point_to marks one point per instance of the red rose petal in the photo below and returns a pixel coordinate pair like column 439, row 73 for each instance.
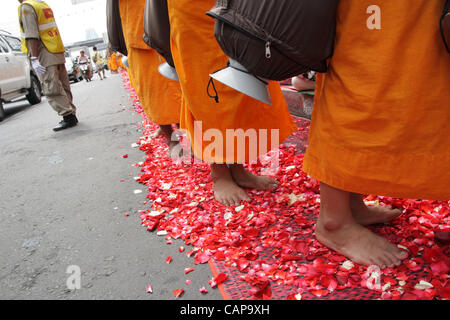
column 221, row 277
column 178, row 292
column 188, row 270
column 201, row 257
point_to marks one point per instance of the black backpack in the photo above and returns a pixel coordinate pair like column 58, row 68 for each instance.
column 276, row 39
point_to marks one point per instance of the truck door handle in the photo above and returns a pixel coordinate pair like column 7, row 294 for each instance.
column 7, row 59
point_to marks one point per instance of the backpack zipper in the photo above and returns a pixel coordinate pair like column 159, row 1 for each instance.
column 268, row 44
column 268, row 53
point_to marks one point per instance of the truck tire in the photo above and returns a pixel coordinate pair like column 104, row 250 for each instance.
column 2, row 111
column 34, row 95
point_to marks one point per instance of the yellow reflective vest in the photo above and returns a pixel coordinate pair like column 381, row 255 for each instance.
column 48, row 30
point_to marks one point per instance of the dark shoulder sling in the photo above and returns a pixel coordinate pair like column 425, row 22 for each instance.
column 157, row 28
column 114, row 26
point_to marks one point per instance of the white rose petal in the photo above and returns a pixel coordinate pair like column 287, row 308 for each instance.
column 162, row 233
column 137, row 191
column 237, row 209
column 347, row 265
column 227, row 215
column 293, row 198
column 423, row 285
column 166, row 186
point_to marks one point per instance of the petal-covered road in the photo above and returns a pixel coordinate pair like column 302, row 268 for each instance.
column 265, row 249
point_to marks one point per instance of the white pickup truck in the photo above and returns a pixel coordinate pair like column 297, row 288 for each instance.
column 17, row 78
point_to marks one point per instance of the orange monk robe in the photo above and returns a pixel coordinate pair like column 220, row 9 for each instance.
column 113, row 62
column 119, row 61
column 159, row 96
column 381, row 119
column 196, row 53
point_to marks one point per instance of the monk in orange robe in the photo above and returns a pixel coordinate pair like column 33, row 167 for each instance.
column 380, row 123
column 113, row 65
column 211, row 125
column 160, row 97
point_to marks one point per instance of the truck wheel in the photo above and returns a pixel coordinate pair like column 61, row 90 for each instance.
column 2, row 111
column 34, row 95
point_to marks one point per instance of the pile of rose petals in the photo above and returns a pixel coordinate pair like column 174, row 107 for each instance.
column 282, row 221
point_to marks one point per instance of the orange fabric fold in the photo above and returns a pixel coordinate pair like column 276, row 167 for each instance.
column 160, row 97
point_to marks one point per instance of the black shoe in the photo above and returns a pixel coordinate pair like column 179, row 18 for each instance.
column 67, row 122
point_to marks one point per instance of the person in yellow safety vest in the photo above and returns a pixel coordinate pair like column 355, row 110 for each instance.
column 42, row 42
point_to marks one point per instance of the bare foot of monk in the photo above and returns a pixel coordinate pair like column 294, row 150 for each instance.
column 367, row 215
column 175, row 150
column 156, row 134
column 359, row 244
column 226, row 191
column 172, row 140
column 338, row 230
column 246, row 179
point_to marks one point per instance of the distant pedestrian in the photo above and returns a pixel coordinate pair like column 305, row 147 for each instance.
column 97, row 58
column 42, row 41
column 84, row 62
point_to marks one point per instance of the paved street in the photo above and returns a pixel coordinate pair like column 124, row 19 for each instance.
column 62, row 203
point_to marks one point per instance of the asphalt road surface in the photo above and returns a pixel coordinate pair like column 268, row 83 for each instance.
column 62, row 206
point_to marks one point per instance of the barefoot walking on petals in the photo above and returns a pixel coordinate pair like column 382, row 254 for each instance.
column 380, row 122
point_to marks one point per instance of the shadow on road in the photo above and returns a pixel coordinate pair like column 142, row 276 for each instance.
column 15, row 107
